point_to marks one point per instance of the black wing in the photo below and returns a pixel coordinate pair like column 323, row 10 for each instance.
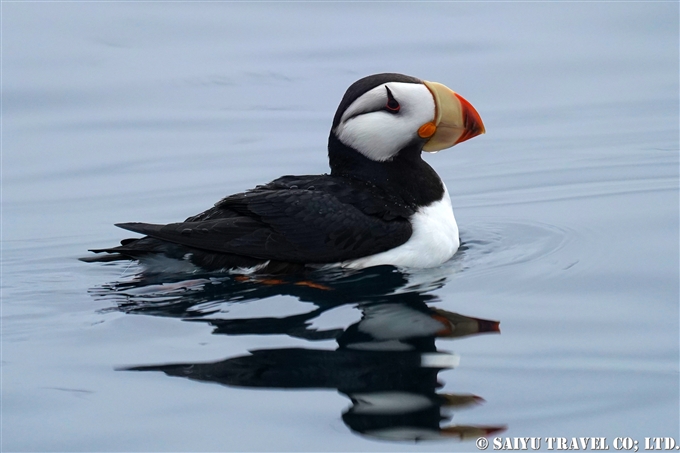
column 305, row 219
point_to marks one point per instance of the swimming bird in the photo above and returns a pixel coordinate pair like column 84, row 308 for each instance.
column 380, row 204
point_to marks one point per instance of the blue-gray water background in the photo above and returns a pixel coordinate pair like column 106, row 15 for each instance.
column 152, row 111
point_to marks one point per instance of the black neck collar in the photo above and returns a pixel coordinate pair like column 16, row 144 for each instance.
column 407, row 177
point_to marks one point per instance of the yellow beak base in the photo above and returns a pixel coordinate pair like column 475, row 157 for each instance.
column 456, row 120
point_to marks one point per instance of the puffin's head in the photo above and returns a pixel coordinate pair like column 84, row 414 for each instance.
column 384, row 113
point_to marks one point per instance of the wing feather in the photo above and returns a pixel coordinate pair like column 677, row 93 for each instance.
column 294, row 219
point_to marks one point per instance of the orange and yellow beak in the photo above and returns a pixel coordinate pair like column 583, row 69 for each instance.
column 456, row 120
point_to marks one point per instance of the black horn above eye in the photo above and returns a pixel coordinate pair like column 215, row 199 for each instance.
column 392, row 105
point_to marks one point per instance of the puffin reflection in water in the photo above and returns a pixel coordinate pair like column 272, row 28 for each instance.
column 386, row 363
column 381, row 204
column 386, row 333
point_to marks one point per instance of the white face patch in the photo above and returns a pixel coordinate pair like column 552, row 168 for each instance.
column 397, row 321
column 378, row 134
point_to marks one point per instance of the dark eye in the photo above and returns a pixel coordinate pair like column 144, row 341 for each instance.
column 392, row 105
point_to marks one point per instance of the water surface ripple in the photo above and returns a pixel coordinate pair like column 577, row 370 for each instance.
column 144, row 111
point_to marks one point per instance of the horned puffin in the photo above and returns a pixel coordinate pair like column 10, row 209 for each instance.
column 381, row 204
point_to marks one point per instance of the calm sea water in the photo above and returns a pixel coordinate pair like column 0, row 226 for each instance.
column 152, row 111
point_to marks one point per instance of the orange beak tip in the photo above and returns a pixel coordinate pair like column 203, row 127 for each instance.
column 472, row 121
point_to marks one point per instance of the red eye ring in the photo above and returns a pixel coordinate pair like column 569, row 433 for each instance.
column 392, row 104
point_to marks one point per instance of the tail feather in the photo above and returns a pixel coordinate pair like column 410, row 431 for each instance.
column 139, row 227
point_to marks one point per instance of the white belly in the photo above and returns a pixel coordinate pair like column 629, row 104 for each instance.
column 434, row 240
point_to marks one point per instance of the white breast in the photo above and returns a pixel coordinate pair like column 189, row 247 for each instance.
column 434, row 240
